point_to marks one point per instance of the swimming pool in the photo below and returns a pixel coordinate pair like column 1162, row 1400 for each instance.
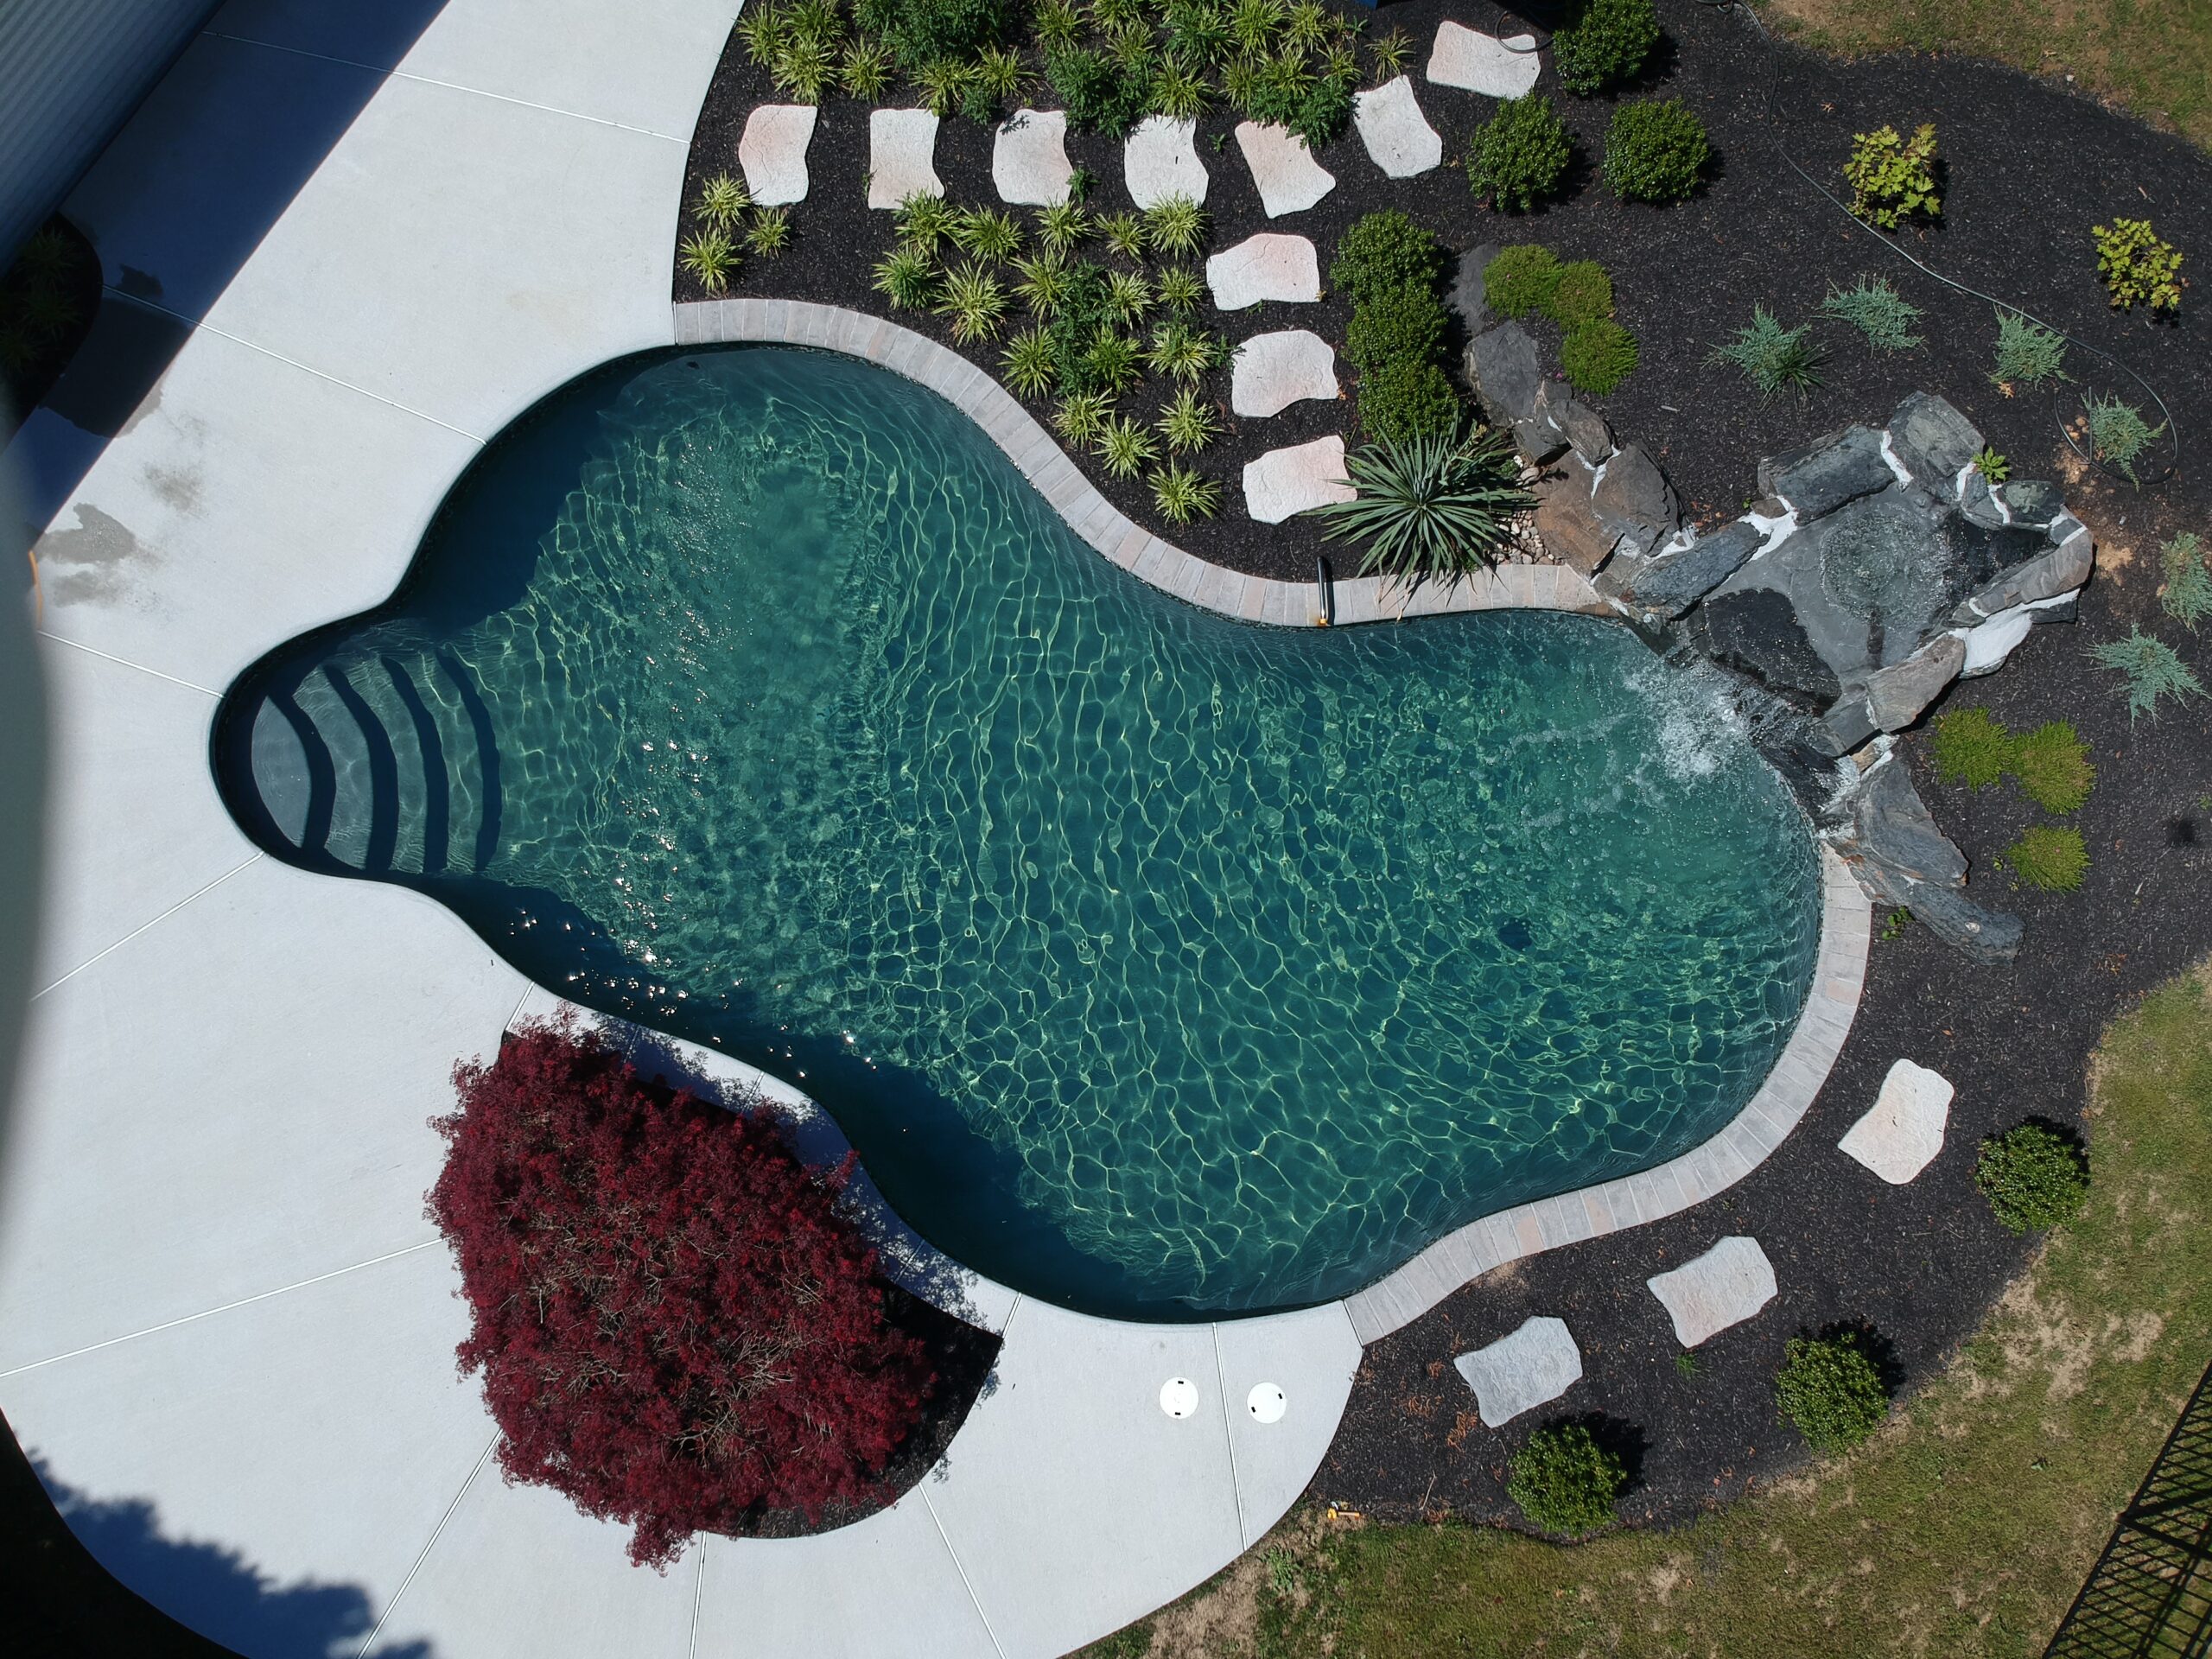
column 1156, row 964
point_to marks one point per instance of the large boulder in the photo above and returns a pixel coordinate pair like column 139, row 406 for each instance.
column 1900, row 857
column 1896, row 694
column 1837, row 470
column 1502, row 368
column 1934, row 442
column 1757, row 634
column 1634, row 500
column 1465, row 299
column 1565, row 522
column 1672, row 582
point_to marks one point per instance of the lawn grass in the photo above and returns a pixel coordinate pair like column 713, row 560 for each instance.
column 2153, row 56
column 1965, row 1527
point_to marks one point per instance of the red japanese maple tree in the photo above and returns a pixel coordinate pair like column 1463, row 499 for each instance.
column 674, row 1326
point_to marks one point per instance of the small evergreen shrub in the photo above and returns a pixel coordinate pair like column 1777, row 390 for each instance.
column 1382, row 253
column 925, row 31
column 1518, row 158
column 1583, row 293
column 1405, row 322
column 2187, row 596
column 2027, row 352
column 1408, row 398
column 1598, row 356
column 1521, row 281
column 1392, row 267
column 1892, row 178
column 1656, row 150
column 2151, row 670
column 1605, row 45
column 2034, row 1178
column 1831, row 1392
column 1565, row 1482
column 1100, row 94
column 1772, row 358
column 1875, row 310
column 2052, row 766
column 2050, row 858
column 2137, row 267
column 2118, row 432
column 1972, row 748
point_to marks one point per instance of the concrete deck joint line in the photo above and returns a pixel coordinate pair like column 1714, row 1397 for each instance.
column 699, row 1590
column 154, row 922
column 125, row 662
column 1228, row 1436
column 429, row 1544
column 960, row 1567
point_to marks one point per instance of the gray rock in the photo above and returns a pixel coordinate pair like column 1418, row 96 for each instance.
column 1845, row 727
column 1820, row 480
column 1542, row 435
column 1587, row 431
column 1672, row 582
column 2061, row 570
column 1892, row 830
column 1933, row 440
column 1565, row 522
column 1465, row 298
column 1981, row 504
column 1896, row 694
column 1502, row 368
column 1757, row 633
column 2034, row 502
column 1980, row 934
column 1634, row 498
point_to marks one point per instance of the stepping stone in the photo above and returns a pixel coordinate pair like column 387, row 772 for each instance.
column 773, row 152
column 1272, row 372
column 1268, row 266
column 1285, row 481
column 1029, row 159
column 1726, row 1285
column 1290, row 179
column 901, row 156
column 1161, row 160
column 1482, row 63
column 1535, row 1364
column 1397, row 135
column 1902, row 1133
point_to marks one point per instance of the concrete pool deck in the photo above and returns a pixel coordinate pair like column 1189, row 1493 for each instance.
column 219, row 1295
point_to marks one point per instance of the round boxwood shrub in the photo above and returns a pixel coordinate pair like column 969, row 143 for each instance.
column 1519, row 154
column 1656, row 150
column 1521, row 280
column 1606, row 45
column 1831, row 1391
column 1406, row 398
column 1384, row 253
column 1565, row 1482
column 1596, row 356
column 675, row 1329
column 1402, row 322
column 2033, row 1177
column 1583, row 294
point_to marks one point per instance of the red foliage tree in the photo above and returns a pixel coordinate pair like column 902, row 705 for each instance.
column 674, row 1326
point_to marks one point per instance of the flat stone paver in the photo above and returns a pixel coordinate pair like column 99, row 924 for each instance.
column 773, row 152
column 1726, row 1285
column 1272, row 371
column 1285, row 481
column 1271, row 265
column 901, row 156
column 1476, row 63
column 1397, row 135
column 1029, row 158
column 1290, row 179
column 1532, row 1367
column 1903, row 1131
column 1160, row 159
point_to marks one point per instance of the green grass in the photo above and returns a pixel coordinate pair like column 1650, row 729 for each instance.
column 1963, row 1529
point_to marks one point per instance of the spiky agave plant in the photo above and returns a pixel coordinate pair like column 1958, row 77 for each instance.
column 1430, row 507
column 1182, row 493
column 973, row 300
column 1189, row 423
column 709, row 256
column 1125, row 449
column 1029, row 366
column 1175, row 224
column 907, row 277
column 720, row 201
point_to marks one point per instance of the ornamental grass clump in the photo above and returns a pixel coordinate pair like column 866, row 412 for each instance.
column 1519, row 157
column 1772, row 358
column 1831, row 1391
column 1892, row 178
column 2137, row 267
column 2027, row 352
column 1605, row 45
column 1565, row 1482
column 720, row 201
column 2034, row 1178
column 1885, row 317
column 710, row 257
column 2150, row 670
column 2051, row 766
column 1182, row 495
column 1655, row 151
column 675, row 1328
column 2050, row 858
column 2118, row 432
column 1433, row 506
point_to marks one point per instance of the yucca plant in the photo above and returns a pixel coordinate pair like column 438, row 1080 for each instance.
column 1179, row 91
column 1128, row 296
column 1029, row 366
column 1175, row 224
column 1044, row 284
column 973, row 300
column 1188, row 424
column 1124, row 448
column 986, row 234
column 1058, row 25
column 907, row 277
column 1080, row 417
column 764, row 25
column 1182, row 495
column 1390, row 53
column 721, row 199
column 942, row 81
column 1113, row 361
column 1062, row 225
column 1772, row 358
column 802, row 68
column 711, row 256
column 770, row 232
column 1434, row 507
column 1178, row 290
column 866, row 72
column 1124, row 233
column 923, row 220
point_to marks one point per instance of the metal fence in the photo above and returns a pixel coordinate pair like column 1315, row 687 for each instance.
column 2150, row 1595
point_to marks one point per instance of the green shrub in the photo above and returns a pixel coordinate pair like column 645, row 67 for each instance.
column 1772, row 358
column 2118, row 432
column 1517, row 157
column 2137, row 267
column 2187, row 596
column 1405, row 322
column 2151, row 670
column 919, row 31
column 1565, row 1482
column 1384, row 251
column 2027, row 352
column 1831, row 1392
column 1183, row 495
column 1283, row 91
column 2050, row 858
column 1100, row 95
column 1892, row 178
column 710, row 256
column 1598, row 356
column 1583, row 293
column 1655, row 151
column 1605, row 45
column 1875, row 310
column 2053, row 768
column 1432, row 506
column 1521, row 280
column 1972, row 748
column 2033, row 1177
column 1406, row 398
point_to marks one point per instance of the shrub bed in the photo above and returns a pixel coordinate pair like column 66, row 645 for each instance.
column 1391, row 269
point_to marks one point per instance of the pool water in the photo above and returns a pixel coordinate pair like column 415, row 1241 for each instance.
column 1156, row 964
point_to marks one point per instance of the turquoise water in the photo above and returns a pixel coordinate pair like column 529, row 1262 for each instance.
column 1156, row 964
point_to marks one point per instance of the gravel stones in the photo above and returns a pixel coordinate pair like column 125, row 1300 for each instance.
column 1289, row 179
column 1532, row 1367
column 771, row 153
column 1726, row 1285
column 1272, row 371
column 901, row 156
column 1285, row 481
column 1476, row 63
column 1160, row 159
column 1397, row 135
column 1901, row 1133
column 1268, row 266
column 1029, row 158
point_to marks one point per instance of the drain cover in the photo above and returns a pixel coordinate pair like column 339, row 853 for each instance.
column 1179, row 1396
column 1266, row 1403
